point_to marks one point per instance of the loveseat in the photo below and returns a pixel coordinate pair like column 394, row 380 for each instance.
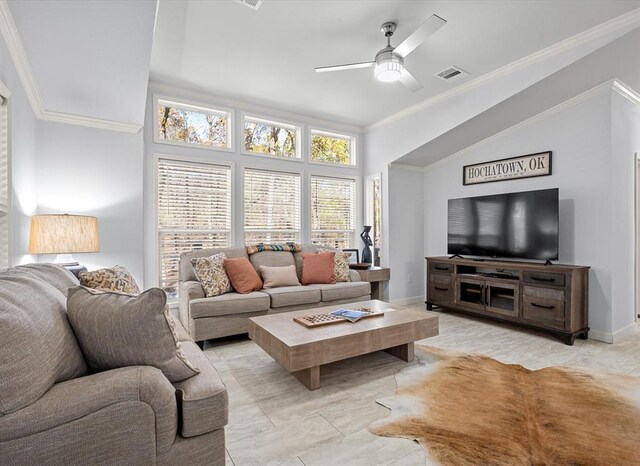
column 228, row 314
column 53, row 411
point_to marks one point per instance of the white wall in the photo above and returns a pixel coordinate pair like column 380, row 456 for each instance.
column 24, row 128
column 238, row 161
column 595, row 177
column 406, row 229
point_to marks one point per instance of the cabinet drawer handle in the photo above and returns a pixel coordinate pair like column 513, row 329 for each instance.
column 439, row 267
column 439, row 288
column 543, row 306
column 540, row 279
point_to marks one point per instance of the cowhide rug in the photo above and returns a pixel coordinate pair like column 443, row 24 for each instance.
column 469, row 409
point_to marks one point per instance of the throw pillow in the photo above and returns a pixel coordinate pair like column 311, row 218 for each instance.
column 318, row 268
column 211, row 274
column 340, row 265
column 116, row 278
column 243, row 276
column 119, row 330
column 279, row 276
column 260, row 247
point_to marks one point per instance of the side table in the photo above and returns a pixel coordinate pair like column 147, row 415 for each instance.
column 376, row 276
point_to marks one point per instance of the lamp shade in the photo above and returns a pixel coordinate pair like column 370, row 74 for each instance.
column 63, row 234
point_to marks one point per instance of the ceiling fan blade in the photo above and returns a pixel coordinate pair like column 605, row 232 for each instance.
column 409, row 81
column 417, row 37
column 349, row 66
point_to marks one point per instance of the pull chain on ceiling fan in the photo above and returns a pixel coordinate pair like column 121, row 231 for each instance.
column 388, row 64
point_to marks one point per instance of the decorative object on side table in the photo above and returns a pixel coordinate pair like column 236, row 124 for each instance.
column 366, row 251
column 64, row 235
column 354, row 255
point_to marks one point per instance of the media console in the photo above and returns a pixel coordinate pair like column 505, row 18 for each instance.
column 553, row 298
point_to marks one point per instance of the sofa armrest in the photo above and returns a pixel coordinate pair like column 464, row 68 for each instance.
column 203, row 398
column 73, row 399
column 354, row 276
column 188, row 291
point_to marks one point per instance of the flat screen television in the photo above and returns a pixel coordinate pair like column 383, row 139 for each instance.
column 520, row 225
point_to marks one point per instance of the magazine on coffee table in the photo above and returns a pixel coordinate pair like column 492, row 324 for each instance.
column 350, row 314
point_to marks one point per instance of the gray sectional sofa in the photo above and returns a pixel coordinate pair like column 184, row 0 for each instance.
column 53, row 411
column 228, row 314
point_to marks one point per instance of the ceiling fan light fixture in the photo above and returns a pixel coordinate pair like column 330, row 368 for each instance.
column 389, row 67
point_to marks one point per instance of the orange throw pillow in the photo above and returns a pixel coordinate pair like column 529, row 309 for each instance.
column 242, row 275
column 318, row 268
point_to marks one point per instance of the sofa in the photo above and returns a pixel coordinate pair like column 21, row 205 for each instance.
column 53, row 411
column 228, row 314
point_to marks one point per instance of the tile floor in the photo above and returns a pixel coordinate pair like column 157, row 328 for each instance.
column 275, row 420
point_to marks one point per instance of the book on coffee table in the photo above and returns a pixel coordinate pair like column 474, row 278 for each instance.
column 349, row 314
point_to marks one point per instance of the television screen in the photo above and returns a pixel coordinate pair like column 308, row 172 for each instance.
column 517, row 225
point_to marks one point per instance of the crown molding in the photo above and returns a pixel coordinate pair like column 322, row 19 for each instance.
column 610, row 85
column 12, row 39
column 632, row 18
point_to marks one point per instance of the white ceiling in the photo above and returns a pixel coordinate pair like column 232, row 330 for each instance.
column 89, row 58
column 267, row 57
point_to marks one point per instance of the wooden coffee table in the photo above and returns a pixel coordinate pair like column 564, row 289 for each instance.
column 303, row 350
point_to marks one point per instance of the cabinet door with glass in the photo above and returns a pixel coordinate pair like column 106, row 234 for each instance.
column 502, row 298
column 470, row 293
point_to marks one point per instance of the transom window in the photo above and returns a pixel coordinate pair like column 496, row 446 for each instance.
column 271, row 138
column 271, row 206
column 333, row 211
column 332, row 148
column 187, row 124
column 194, row 212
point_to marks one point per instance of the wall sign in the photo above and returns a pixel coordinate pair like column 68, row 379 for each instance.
column 524, row 166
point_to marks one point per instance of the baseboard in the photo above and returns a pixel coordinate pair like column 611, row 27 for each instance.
column 625, row 332
column 606, row 337
column 407, row 301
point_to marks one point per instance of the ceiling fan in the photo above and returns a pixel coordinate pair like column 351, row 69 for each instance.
column 388, row 64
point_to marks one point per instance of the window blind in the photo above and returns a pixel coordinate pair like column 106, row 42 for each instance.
column 194, row 212
column 333, row 211
column 271, row 206
column 4, row 184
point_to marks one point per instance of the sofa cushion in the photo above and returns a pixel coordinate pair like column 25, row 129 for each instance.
column 53, row 274
column 340, row 265
column 229, row 303
column 242, row 275
column 275, row 277
column 203, row 398
column 343, row 290
column 116, row 278
column 120, row 330
column 37, row 345
column 186, row 272
column 212, row 275
column 318, row 268
column 307, row 249
column 292, row 295
column 271, row 259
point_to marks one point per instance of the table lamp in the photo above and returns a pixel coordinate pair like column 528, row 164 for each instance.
column 64, row 235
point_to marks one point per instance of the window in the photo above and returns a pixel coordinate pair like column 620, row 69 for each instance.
column 271, row 206
column 332, row 148
column 188, row 124
column 4, row 183
column 271, row 138
column 333, row 211
column 194, row 212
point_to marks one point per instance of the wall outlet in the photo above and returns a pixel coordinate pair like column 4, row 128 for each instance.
column 409, row 278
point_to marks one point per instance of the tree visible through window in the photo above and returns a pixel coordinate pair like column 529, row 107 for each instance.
column 192, row 125
column 331, row 148
column 333, row 211
column 264, row 137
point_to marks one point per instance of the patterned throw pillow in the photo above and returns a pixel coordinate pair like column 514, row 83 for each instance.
column 119, row 330
column 340, row 265
column 116, row 278
column 286, row 247
column 212, row 275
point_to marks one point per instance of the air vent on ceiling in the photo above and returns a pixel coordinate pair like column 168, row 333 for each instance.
column 452, row 73
column 255, row 4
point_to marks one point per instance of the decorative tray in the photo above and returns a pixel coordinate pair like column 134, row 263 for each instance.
column 317, row 320
column 359, row 266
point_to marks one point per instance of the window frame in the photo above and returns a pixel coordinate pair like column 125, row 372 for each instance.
column 333, row 133
column 284, row 123
column 157, row 158
column 241, row 204
column 357, row 210
column 186, row 104
column 6, row 94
